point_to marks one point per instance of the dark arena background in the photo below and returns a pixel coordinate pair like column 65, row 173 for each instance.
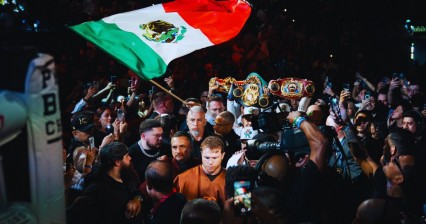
column 307, row 39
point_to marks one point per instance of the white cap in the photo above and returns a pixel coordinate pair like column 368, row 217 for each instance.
column 251, row 111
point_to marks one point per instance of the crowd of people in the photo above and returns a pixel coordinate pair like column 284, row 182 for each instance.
column 130, row 163
column 134, row 154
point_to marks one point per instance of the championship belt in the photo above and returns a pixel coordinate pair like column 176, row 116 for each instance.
column 250, row 93
column 292, row 88
column 224, row 84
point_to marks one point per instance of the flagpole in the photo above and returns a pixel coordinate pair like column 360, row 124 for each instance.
column 167, row 91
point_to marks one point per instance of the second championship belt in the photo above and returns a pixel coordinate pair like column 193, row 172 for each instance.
column 292, row 88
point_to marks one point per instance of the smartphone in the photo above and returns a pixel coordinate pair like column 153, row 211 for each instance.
column 367, row 95
column 109, row 129
column 334, row 105
column 92, row 142
column 346, row 87
column 113, row 79
column 95, row 84
column 385, row 80
column 120, row 115
column 395, row 76
column 242, row 197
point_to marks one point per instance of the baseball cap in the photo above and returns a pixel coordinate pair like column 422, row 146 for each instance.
column 251, row 111
column 82, row 122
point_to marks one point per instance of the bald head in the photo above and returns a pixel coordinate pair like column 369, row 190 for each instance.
column 159, row 176
column 377, row 211
column 227, row 116
column 200, row 211
column 276, row 167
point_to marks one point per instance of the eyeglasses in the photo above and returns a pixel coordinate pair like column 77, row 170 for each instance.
column 219, row 125
column 204, row 96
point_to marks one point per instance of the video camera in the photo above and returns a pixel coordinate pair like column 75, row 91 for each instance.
column 267, row 122
column 292, row 141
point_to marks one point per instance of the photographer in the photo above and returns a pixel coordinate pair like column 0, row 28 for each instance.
column 299, row 186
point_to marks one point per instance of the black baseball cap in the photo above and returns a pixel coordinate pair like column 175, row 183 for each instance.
column 82, row 123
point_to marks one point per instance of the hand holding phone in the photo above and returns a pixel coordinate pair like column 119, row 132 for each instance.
column 109, row 129
column 121, row 115
column 242, row 197
column 334, row 106
column 346, row 87
column 113, row 79
column 367, row 95
column 92, row 142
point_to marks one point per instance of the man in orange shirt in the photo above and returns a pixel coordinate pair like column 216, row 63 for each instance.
column 207, row 180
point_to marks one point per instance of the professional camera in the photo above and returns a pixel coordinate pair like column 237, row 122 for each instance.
column 292, row 141
column 266, row 121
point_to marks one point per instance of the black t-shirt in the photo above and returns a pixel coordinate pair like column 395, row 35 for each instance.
column 170, row 210
column 110, row 198
column 302, row 199
column 140, row 161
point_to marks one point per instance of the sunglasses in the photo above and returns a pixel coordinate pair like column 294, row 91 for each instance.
column 361, row 120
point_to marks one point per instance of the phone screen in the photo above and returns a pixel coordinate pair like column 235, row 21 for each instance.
column 92, row 142
column 113, row 79
column 334, row 104
column 346, row 87
column 120, row 115
column 109, row 129
column 242, row 197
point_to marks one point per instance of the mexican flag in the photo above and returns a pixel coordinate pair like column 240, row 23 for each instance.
column 146, row 40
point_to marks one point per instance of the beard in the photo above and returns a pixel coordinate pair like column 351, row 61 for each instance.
column 129, row 175
column 153, row 146
column 195, row 133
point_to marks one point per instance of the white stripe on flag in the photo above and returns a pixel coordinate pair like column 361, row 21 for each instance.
column 131, row 21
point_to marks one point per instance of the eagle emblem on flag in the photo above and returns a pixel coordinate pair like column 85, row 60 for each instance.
column 162, row 31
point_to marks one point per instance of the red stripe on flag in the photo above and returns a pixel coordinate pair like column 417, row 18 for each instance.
column 218, row 20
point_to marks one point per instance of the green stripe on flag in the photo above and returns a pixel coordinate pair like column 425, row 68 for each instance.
column 124, row 46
